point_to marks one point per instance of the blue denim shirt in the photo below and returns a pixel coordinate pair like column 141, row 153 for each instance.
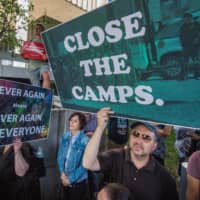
column 74, row 168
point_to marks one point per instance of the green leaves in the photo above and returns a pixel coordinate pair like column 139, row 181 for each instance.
column 10, row 13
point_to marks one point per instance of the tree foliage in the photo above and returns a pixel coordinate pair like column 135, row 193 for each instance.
column 10, row 12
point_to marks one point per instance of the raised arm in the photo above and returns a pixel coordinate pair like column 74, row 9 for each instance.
column 21, row 166
column 90, row 160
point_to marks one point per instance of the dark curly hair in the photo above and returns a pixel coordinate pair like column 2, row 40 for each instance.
column 81, row 117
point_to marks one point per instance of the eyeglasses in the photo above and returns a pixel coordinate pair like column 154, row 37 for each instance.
column 146, row 138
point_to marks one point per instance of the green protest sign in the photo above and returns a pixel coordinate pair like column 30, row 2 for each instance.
column 25, row 112
column 131, row 57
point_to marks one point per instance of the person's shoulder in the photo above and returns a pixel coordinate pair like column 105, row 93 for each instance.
column 163, row 172
column 196, row 154
column 81, row 139
column 84, row 138
column 195, row 157
column 193, row 165
column 65, row 136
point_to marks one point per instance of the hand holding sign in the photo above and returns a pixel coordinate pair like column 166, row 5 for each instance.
column 103, row 116
column 26, row 113
column 17, row 144
column 111, row 57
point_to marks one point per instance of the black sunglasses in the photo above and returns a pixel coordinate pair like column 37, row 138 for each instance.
column 144, row 137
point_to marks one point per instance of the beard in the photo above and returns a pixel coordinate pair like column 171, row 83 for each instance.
column 137, row 150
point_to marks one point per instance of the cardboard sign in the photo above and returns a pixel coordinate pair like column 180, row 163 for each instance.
column 33, row 51
column 24, row 112
column 129, row 55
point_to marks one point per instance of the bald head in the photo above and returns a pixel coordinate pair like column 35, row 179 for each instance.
column 113, row 191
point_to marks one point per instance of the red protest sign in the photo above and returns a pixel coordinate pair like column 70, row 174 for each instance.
column 33, row 50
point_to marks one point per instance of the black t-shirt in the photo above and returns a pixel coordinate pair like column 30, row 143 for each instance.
column 151, row 182
column 14, row 187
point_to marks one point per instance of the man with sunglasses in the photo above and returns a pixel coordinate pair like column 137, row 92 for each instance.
column 133, row 166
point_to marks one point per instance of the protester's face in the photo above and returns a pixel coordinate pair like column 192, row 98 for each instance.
column 142, row 141
column 38, row 30
column 74, row 123
column 102, row 195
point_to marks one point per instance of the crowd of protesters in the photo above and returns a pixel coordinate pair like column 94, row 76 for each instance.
column 133, row 170
column 138, row 165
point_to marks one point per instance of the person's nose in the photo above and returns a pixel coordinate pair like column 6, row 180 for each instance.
column 139, row 139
